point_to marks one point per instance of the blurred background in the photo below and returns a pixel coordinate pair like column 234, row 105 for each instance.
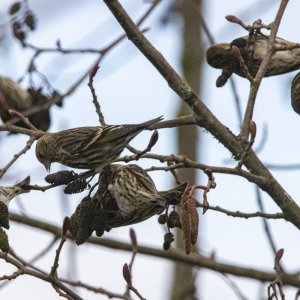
column 130, row 90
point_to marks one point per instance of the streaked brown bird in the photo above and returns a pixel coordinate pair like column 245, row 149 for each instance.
column 295, row 93
column 13, row 96
column 126, row 195
column 252, row 50
column 87, row 147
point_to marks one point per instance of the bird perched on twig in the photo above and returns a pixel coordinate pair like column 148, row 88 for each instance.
column 7, row 193
column 13, row 96
column 126, row 195
column 87, row 147
column 253, row 49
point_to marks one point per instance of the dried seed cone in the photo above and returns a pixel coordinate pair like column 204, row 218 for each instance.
column 4, row 245
column 4, row 215
column 295, row 93
column 174, row 220
column 85, row 217
column 30, row 20
column 99, row 223
column 169, row 238
column 15, row 7
column 61, row 177
column 76, row 186
column 166, row 246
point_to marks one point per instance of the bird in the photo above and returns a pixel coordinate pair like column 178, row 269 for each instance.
column 87, row 147
column 7, row 193
column 126, row 195
column 295, row 93
column 252, row 49
column 14, row 97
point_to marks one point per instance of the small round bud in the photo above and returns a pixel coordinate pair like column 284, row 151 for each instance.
column 94, row 70
column 66, row 225
column 15, row 7
column 162, row 219
column 174, row 220
column 235, row 52
column 30, row 20
column 166, row 246
column 169, row 237
column 127, row 274
column 233, row 19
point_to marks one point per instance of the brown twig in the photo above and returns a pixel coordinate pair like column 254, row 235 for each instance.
column 67, row 281
column 92, row 74
column 184, row 162
column 56, row 259
column 238, row 214
column 257, row 25
column 26, row 271
column 20, row 116
column 173, row 255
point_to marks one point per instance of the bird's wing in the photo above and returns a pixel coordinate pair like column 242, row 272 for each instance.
column 112, row 133
column 143, row 178
column 79, row 139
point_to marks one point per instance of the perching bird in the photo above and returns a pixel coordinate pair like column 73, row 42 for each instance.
column 252, row 50
column 295, row 93
column 13, row 96
column 126, row 195
column 7, row 193
column 87, row 147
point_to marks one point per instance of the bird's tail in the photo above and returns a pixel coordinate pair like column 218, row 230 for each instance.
column 150, row 122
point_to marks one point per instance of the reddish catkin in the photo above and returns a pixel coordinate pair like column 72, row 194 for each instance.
column 194, row 218
column 186, row 227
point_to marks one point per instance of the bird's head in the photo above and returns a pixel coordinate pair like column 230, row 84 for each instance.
column 43, row 152
column 216, row 55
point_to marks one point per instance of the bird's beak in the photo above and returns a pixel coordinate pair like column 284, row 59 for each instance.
column 24, row 185
column 47, row 165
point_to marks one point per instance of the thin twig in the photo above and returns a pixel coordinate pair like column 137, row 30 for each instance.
column 95, row 99
column 238, row 214
column 26, row 271
column 262, row 69
column 182, row 161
